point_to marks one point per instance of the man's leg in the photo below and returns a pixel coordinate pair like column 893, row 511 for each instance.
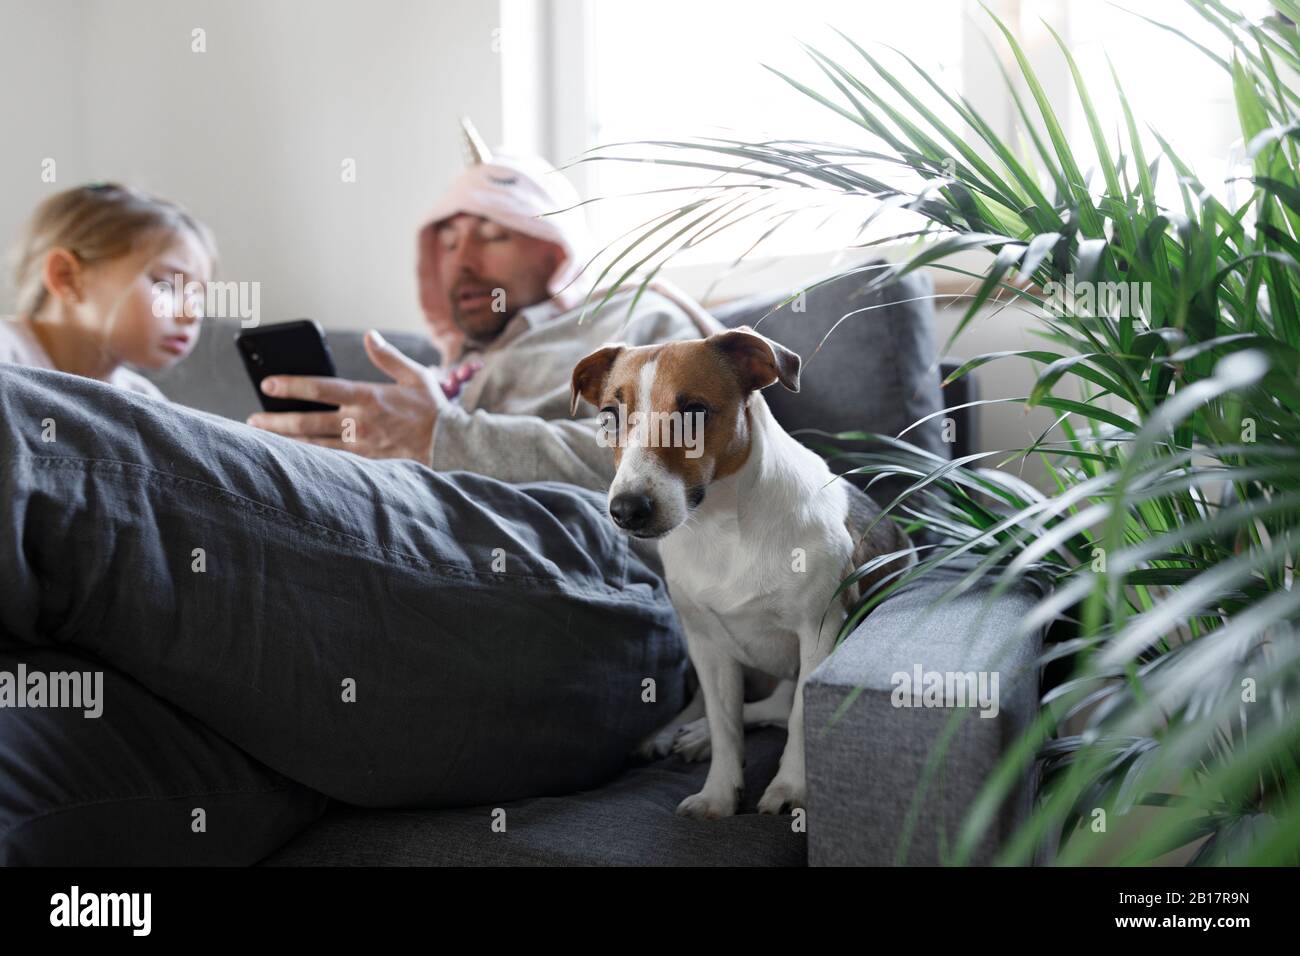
column 381, row 633
column 139, row 783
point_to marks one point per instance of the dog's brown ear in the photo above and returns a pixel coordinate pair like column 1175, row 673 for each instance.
column 757, row 359
column 589, row 376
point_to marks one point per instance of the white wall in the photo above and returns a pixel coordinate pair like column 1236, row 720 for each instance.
column 42, row 109
column 251, row 134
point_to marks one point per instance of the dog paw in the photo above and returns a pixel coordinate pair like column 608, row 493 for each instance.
column 692, row 741
column 707, row 806
column 781, row 794
column 656, row 745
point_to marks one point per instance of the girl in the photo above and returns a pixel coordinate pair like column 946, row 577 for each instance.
column 96, row 273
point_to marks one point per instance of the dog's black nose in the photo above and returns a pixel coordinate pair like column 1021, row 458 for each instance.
column 631, row 512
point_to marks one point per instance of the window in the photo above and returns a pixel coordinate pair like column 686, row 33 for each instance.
column 682, row 69
column 617, row 71
column 1169, row 84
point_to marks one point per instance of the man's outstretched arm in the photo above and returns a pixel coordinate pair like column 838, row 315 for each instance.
column 519, row 448
column 551, row 445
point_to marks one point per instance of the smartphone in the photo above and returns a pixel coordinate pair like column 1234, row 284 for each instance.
column 286, row 348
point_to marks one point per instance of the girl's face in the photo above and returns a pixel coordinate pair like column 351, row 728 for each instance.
column 134, row 302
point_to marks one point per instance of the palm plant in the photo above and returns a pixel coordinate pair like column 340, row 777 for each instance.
column 1168, row 541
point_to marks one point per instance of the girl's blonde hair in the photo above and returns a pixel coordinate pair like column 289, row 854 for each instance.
column 96, row 222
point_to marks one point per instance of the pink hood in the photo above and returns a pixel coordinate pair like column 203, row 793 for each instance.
column 518, row 192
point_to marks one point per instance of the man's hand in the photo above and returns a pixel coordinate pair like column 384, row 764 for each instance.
column 378, row 421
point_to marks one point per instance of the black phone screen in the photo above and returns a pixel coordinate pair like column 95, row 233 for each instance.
column 286, row 348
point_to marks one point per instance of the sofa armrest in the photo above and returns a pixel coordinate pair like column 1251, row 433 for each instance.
column 866, row 765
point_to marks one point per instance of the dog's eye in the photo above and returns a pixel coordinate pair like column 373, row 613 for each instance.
column 696, row 408
column 608, row 416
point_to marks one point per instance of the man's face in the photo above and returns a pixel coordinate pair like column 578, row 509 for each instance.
column 490, row 272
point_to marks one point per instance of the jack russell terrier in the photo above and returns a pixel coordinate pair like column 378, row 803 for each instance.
column 756, row 536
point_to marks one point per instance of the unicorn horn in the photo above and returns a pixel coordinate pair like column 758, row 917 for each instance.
column 476, row 151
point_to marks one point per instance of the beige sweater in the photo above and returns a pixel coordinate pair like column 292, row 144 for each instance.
column 512, row 421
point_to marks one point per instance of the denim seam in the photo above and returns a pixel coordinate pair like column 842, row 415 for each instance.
column 303, row 524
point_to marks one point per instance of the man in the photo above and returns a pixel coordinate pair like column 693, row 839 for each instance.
column 274, row 622
column 499, row 270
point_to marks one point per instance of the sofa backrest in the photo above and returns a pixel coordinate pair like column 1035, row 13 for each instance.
column 869, row 360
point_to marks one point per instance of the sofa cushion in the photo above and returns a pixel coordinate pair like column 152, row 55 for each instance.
column 630, row 821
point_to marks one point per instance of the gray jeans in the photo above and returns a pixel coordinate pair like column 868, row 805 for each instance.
column 282, row 622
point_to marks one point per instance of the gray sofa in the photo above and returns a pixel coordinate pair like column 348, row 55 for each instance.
column 879, row 792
